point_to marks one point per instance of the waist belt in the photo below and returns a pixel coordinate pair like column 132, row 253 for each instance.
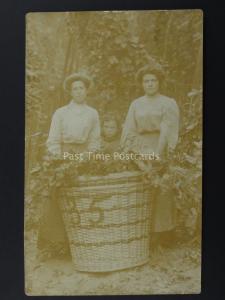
column 73, row 143
column 149, row 132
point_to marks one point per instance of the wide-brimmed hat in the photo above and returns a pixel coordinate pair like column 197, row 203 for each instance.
column 77, row 77
column 155, row 69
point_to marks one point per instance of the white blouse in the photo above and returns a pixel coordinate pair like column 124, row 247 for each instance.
column 74, row 123
column 150, row 116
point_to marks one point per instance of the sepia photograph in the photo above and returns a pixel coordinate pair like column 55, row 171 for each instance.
column 113, row 152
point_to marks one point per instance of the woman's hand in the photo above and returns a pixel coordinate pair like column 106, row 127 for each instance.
column 142, row 166
column 145, row 167
column 85, row 156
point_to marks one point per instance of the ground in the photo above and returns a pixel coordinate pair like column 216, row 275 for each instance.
column 169, row 271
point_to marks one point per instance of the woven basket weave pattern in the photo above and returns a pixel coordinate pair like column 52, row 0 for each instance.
column 108, row 222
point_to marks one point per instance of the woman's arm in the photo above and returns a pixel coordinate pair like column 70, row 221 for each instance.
column 129, row 131
column 162, row 143
column 169, row 128
column 54, row 138
column 94, row 139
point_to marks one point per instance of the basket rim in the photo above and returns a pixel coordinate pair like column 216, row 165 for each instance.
column 115, row 175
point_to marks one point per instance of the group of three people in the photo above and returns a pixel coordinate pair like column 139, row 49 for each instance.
column 151, row 126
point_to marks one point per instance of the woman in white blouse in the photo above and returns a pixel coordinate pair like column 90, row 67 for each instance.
column 75, row 128
column 152, row 126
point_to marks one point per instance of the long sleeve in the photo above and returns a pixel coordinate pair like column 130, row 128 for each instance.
column 94, row 139
column 129, row 129
column 169, row 128
column 54, row 138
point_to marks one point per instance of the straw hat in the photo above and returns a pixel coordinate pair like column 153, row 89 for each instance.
column 76, row 77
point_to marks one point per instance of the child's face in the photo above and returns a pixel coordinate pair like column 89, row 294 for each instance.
column 110, row 128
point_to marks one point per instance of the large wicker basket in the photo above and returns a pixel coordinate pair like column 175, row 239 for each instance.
column 107, row 220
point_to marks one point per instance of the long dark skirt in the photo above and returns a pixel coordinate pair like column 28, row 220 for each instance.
column 163, row 210
column 164, row 215
column 52, row 234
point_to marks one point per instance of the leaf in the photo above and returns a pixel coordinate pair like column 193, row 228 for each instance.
column 113, row 60
column 190, row 159
column 35, row 169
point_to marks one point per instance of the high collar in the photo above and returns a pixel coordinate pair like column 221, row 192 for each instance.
column 111, row 139
column 152, row 99
column 75, row 105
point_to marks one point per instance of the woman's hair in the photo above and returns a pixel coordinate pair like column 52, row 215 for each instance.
column 147, row 69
